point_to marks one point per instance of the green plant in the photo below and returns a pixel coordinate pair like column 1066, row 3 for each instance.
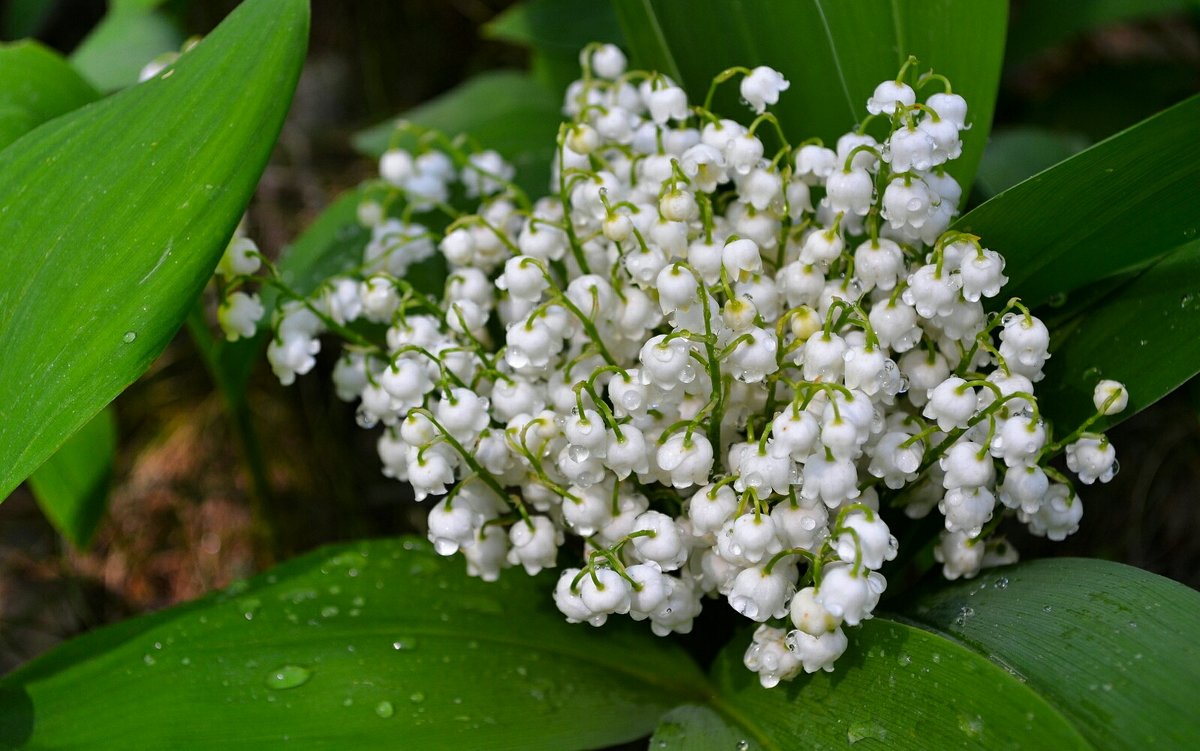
column 384, row 644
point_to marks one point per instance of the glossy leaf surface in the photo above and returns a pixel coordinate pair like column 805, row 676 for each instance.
column 833, row 53
column 373, row 645
column 1048, row 654
column 1113, row 207
column 1114, row 648
column 1145, row 334
column 114, row 216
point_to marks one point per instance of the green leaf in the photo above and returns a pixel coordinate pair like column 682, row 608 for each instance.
column 373, row 645
column 115, row 215
column 72, row 486
column 502, row 110
column 1037, row 26
column 1014, row 154
column 1145, row 334
column 1049, row 654
column 694, row 727
column 1111, row 208
column 896, row 685
column 564, row 26
column 1115, row 649
column 833, row 53
column 36, row 85
column 129, row 37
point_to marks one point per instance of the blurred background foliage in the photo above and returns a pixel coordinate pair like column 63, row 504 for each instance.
column 192, row 505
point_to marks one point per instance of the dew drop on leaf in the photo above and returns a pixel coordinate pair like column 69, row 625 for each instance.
column 384, row 709
column 288, row 676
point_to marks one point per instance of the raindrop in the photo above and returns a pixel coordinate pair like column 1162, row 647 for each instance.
column 1047, row 609
column 404, row 643
column 384, row 709
column 904, row 660
column 129, row 337
column 288, row 676
column 742, row 745
column 417, row 697
column 329, row 611
column 972, row 726
column 148, row 659
column 1002, row 582
column 578, row 453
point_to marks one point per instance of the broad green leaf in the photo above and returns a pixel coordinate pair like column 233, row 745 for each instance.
column 1037, row 26
column 372, row 645
column 1113, row 207
column 833, row 53
column 897, row 687
column 1114, row 648
column 564, row 26
column 695, row 727
column 36, row 85
column 72, row 486
column 1014, row 154
column 114, row 216
column 129, row 37
column 1055, row 654
column 1145, row 334
column 502, row 110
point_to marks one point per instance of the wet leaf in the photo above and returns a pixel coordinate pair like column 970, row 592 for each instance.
column 372, row 645
column 113, row 217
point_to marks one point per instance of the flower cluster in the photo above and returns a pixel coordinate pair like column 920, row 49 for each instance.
column 707, row 364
